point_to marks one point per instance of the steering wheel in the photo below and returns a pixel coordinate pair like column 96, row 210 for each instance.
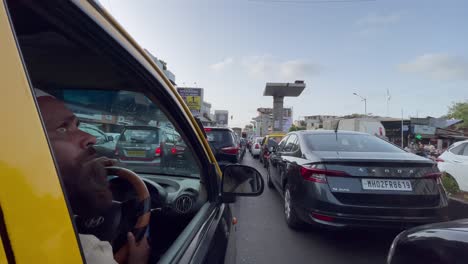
column 113, row 224
column 143, row 205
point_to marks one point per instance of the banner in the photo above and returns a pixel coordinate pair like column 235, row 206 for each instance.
column 193, row 97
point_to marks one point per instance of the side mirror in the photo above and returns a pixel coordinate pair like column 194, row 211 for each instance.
column 240, row 180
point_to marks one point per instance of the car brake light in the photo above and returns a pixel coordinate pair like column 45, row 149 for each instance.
column 207, row 129
column 433, row 175
column 157, row 152
column 173, row 150
column 230, row 150
column 440, row 160
column 325, row 218
column 257, row 146
column 319, row 175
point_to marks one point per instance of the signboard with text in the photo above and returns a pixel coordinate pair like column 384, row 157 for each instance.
column 193, row 97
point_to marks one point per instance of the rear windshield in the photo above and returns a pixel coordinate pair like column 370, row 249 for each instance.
column 145, row 136
column 348, row 143
column 258, row 140
column 219, row 138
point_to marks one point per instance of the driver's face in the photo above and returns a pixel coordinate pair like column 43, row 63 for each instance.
column 68, row 142
column 73, row 151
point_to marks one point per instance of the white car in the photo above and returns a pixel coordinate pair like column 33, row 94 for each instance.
column 455, row 162
column 256, row 147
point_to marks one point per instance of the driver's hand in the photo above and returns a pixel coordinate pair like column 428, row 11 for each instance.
column 138, row 252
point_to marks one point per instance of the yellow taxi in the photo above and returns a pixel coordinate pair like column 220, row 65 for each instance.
column 71, row 80
column 267, row 145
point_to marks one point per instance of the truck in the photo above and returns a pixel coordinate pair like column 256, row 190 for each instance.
column 365, row 125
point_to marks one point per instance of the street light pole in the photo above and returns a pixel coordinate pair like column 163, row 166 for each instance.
column 365, row 102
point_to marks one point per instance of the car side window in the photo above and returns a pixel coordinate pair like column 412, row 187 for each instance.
column 290, row 143
column 465, row 150
column 458, row 149
column 282, row 144
column 295, row 145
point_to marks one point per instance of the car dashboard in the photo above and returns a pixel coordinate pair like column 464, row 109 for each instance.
column 170, row 195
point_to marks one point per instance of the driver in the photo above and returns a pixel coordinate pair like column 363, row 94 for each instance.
column 84, row 177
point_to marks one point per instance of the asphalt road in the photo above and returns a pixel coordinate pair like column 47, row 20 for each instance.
column 264, row 237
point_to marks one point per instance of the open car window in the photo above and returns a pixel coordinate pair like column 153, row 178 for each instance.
column 146, row 141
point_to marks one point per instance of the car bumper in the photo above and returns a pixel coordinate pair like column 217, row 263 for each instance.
column 325, row 209
column 255, row 152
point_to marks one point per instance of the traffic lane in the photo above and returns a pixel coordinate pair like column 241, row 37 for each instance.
column 263, row 236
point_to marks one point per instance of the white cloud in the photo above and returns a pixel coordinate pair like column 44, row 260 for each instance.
column 267, row 66
column 222, row 64
column 378, row 20
column 439, row 66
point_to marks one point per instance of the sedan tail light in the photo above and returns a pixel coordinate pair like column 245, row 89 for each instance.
column 173, row 150
column 319, row 175
column 157, row 152
column 440, row 160
column 230, row 150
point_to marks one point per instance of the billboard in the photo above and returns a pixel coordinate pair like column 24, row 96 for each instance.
column 193, row 97
column 221, row 117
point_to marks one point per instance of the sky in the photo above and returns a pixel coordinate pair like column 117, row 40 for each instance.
column 416, row 50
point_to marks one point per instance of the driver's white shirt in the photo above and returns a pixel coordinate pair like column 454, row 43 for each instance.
column 96, row 251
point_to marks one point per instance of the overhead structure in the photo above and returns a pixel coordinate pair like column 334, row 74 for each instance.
column 279, row 91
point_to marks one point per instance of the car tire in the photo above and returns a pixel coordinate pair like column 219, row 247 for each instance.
column 269, row 182
column 290, row 215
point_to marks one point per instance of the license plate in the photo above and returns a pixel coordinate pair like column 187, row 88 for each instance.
column 386, row 185
column 136, row 153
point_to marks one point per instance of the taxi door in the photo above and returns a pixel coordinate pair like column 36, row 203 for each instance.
column 36, row 222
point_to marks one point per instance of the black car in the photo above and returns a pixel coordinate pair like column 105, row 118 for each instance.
column 440, row 243
column 224, row 144
column 340, row 179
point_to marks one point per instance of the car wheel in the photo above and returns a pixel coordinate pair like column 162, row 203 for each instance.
column 290, row 215
column 269, row 182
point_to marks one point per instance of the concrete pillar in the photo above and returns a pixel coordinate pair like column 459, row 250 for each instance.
column 278, row 113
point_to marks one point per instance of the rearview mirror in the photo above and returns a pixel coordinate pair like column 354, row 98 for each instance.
column 241, row 180
column 110, row 138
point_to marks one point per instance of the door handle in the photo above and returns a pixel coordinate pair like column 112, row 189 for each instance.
column 457, row 161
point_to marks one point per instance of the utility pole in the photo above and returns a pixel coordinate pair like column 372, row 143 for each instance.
column 365, row 103
column 402, row 128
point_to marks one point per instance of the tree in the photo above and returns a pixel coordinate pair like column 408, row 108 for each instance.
column 296, row 128
column 459, row 110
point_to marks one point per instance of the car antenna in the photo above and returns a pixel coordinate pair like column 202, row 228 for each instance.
column 336, row 129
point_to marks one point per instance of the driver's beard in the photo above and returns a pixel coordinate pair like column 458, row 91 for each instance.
column 88, row 195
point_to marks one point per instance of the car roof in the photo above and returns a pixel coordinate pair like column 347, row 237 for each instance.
column 220, row 128
column 328, row 132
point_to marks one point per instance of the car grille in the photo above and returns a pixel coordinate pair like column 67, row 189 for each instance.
column 388, row 200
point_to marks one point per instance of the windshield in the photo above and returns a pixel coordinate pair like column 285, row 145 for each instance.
column 148, row 136
column 348, row 143
column 220, row 138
